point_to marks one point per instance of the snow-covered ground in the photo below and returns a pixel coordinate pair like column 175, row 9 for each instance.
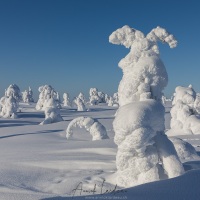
column 38, row 162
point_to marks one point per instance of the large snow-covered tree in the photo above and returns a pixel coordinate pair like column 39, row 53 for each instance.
column 139, row 122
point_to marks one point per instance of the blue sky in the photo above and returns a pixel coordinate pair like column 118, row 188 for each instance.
column 64, row 43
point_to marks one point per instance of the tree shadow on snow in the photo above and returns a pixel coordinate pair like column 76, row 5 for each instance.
column 31, row 115
column 190, row 165
column 101, row 109
column 10, row 123
column 39, row 132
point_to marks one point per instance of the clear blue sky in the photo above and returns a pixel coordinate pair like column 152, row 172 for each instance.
column 64, row 43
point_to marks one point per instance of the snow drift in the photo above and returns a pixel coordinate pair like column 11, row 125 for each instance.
column 184, row 149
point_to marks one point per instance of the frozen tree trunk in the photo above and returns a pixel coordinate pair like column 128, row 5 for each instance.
column 139, row 122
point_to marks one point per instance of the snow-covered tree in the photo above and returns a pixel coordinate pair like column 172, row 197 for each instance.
column 94, row 98
column 163, row 100
column 186, row 105
column 82, row 97
column 111, row 101
column 80, row 105
column 107, row 97
column 96, row 129
column 116, row 98
column 27, row 96
column 10, row 102
column 101, row 97
column 139, row 122
column 197, row 103
column 66, row 100
column 52, row 112
column 30, row 92
column 46, row 92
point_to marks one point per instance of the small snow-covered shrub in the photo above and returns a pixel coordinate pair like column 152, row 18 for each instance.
column 10, row 102
column 139, row 122
column 94, row 97
column 66, row 100
column 52, row 112
column 30, row 92
column 101, row 97
column 107, row 97
column 27, row 96
column 116, row 98
column 82, row 97
column 185, row 110
column 80, row 105
column 184, row 149
column 111, row 101
column 94, row 127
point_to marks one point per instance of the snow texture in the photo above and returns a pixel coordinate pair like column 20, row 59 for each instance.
column 10, row 102
column 184, row 149
column 96, row 129
column 185, row 110
column 139, row 122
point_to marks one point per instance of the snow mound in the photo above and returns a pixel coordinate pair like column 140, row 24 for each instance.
column 96, row 129
column 184, row 149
